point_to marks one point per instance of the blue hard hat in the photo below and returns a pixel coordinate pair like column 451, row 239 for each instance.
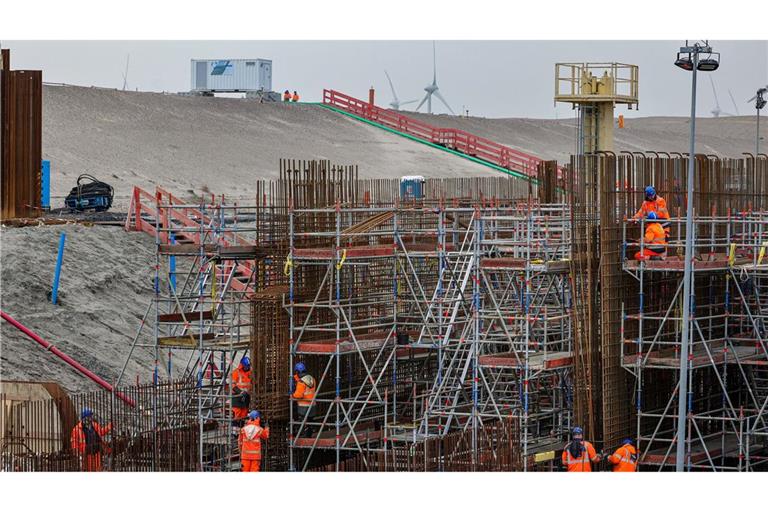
column 650, row 191
column 652, row 216
column 627, row 440
column 246, row 362
column 87, row 413
column 253, row 415
column 577, row 431
column 300, row 368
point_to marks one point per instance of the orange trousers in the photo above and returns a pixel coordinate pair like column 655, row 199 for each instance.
column 239, row 413
column 251, row 466
column 90, row 462
column 646, row 254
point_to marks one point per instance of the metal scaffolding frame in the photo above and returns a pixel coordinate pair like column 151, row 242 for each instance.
column 344, row 328
column 727, row 400
column 507, row 347
column 204, row 272
column 430, row 319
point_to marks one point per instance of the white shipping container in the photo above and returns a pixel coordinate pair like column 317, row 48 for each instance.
column 231, row 75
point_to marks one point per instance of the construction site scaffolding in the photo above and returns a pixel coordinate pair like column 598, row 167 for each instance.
column 200, row 314
column 727, row 359
column 506, row 345
column 431, row 319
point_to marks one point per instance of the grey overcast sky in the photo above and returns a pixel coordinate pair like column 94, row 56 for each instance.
column 490, row 78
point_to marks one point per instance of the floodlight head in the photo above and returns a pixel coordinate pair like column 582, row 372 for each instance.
column 710, row 63
column 684, row 62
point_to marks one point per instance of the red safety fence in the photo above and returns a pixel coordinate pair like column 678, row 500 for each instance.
column 146, row 212
column 451, row 138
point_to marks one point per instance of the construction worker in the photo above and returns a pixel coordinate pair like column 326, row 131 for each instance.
column 653, row 203
column 578, row 455
column 303, row 394
column 624, row 459
column 86, row 441
column 241, row 389
column 249, row 442
column 295, row 97
column 286, row 96
column 655, row 240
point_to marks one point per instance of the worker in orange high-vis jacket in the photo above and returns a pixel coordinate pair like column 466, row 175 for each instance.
column 304, row 393
column 249, row 442
column 241, row 389
column 656, row 204
column 578, row 455
column 624, row 459
column 286, row 96
column 654, row 240
column 295, row 97
column 86, row 441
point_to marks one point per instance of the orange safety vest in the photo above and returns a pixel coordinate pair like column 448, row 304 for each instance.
column 77, row 439
column 295, row 97
column 624, row 459
column 286, row 96
column 583, row 463
column 250, row 438
column 658, row 206
column 654, row 237
column 241, row 379
column 305, row 390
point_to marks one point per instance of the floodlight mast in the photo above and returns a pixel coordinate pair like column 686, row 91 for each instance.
column 760, row 101
column 693, row 63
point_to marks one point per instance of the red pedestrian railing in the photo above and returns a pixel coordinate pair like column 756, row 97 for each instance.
column 451, row 138
column 164, row 210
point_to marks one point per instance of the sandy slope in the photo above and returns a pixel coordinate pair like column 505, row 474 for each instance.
column 192, row 143
column 187, row 143
column 106, row 285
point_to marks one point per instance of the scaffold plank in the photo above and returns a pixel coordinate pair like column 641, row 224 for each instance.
column 539, row 361
column 355, row 252
column 189, row 316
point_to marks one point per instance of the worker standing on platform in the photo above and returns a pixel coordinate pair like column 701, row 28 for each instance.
column 656, row 204
column 86, row 441
column 286, row 96
column 295, row 97
column 249, row 442
column 624, row 459
column 578, row 455
column 304, row 394
column 241, row 389
column 655, row 240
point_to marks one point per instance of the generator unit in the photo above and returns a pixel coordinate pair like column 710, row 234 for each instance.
column 231, row 75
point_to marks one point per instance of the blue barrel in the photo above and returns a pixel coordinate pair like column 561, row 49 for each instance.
column 45, row 184
column 412, row 187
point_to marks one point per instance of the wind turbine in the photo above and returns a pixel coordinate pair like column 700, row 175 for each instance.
column 716, row 112
column 433, row 88
column 125, row 74
column 734, row 103
column 396, row 103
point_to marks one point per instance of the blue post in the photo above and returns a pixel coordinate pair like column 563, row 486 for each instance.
column 172, row 267
column 45, row 184
column 57, row 274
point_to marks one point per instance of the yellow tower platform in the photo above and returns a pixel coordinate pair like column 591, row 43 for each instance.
column 595, row 89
